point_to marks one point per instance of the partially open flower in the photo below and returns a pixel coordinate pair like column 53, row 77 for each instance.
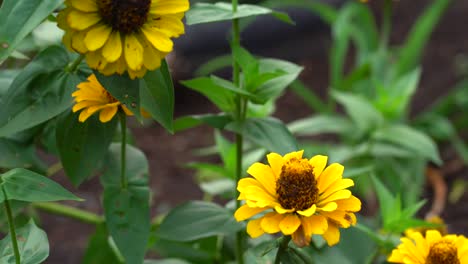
column 120, row 36
column 300, row 197
column 433, row 248
column 91, row 97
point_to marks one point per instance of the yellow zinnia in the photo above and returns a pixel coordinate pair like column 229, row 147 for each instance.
column 122, row 35
column 431, row 249
column 299, row 197
column 91, row 97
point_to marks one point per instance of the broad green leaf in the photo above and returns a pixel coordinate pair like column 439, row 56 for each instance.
column 194, row 220
column 411, row 139
column 40, row 92
column 360, row 110
column 83, row 145
column 6, row 78
column 268, row 133
column 127, row 211
column 218, row 187
column 411, row 52
column 231, row 87
column 390, row 206
column 383, row 149
column 157, row 95
column 18, row 19
column 124, row 89
column 210, row 169
column 218, row 121
column 195, row 252
column 325, row 11
column 24, row 185
column 320, row 124
column 221, row 97
column 206, row 12
column 165, row 261
column 227, row 151
column 98, row 250
column 214, row 64
column 309, row 97
column 17, row 154
column 32, row 243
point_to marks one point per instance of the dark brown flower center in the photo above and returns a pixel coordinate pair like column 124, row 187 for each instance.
column 296, row 186
column 125, row 16
column 443, row 252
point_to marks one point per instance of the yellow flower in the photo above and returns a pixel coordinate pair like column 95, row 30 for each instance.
column 122, row 35
column 91, row 97
column 431, row 249
column 298, row 197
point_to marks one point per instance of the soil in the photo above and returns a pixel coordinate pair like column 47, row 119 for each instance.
column 173, row 184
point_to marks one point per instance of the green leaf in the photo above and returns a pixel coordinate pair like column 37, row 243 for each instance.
column 411, row 139
column 325, row 11
column 218, row 121
column 127, row 211
column 124, row 89
column 221, row 97
column 24, row 185
column 196, row 252
column 18, row 19
column 6, row 78
column 360, row 110
column 83, row 145
column 17, row 154
column 231, row 87
column 308, row 96
column 214, row 64
column 320, row 124
column 165, row 261
column 32, row 243
column 194, row 220
column 268, row 133
column 390, row 206
column 40, row 92
column 420, row 33
column 205, row 12
column 157, row 96
column 98, row 250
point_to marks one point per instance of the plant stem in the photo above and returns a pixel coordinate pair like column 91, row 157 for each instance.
column 71, row 212
column 72, row 67
column 386, row 24
column 282, row 248
column 11, row 224
column 123, row 126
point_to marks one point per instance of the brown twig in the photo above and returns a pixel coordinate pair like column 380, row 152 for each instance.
column 436, row 180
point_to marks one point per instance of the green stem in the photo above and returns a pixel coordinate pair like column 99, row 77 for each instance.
column 123, row 125
column 11, row 224
column 72, row 66
column 386, row 24
column 71, row 212
column 282, row 248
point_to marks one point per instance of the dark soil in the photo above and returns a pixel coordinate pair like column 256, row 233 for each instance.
column 173, row 184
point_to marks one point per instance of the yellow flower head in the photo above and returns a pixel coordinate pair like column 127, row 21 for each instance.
column 122, row 35
column 431, row 249
column 299, row 197
column 91, row 97
column 434, row 220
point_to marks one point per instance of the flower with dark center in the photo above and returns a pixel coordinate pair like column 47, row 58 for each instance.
column 433, row 248
column 119, row 36
column 298, row 197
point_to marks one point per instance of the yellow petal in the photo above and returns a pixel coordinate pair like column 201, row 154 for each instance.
column 340, row 218
column 281, row 210
column 254, row 229
column 158, row 38
column 337, row 185
column 276, row 163
column 289, row 224
column 332, row 235
column 83, row 104
column 97, row 37
column 264, row 175
column 152, row 57
column 315, row 224
column 329, row 176
column 342, row 194
column 270, row 222
column 329, row 207
column 432, row 236
column 133, row 52
column 80, row 20
column 352, row 204
column 113, row 47
column 85, row 5
column 245, row 212
column 295, row 154
column 318, row 162
column 259, row 195
column 77, row 42
column 95, row 60
column 308, row 212
column 107, row 114
column 163, row 7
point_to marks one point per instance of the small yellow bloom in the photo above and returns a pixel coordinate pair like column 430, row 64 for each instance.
column 433, row 248
column 299, row 197
column 120, row 36
column 91, row 97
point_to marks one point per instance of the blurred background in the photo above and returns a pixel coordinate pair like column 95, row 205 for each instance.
column 444, row 65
